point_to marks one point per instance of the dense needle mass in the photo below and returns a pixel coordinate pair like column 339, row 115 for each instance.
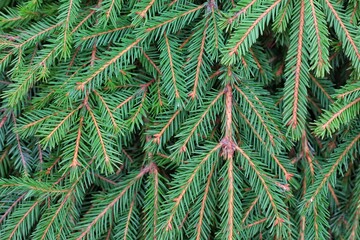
column 179, row 119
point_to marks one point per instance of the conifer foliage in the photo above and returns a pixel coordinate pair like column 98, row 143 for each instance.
column 179, row 119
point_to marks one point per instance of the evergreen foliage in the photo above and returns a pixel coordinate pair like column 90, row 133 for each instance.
column 179, row 119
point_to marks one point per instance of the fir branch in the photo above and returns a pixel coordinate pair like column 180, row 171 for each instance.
column 294, row 120
column 49, row 28
column 248, row 37
column 177, row 95
column 154, row 192
column 337, row 158
column 111, row 10
column 203, row 216
column 319, row 55
column 349, row 92
column 157, row 136
column 83, row 21
column 230, row 206
column 73, row 192
column 128, row 219
column 277, row 205
column 146, row 9
column 258, row 114
column 103, row 36
column 5, row 60
column 55, row 134
column 67, row 9
column 75, row 161
column 354, row 216
column 124, row 102
column 216, row 40
column 297, row 77
column 170, row 23
column 172, row 221
column 152, row 63
column 26, row 184
column 282, row 20
column 172, row 80
column 339, row 113
column 321, row 85
column 255, row 223
column 345, row 32
column 98, row 72
column 308, row 156
column 24, row 217
column 200, row 60
column 252, row 205
column 13, row 205
column 189, row 136
column 101, row 214
column 107, row 110
column 101, row 139
column 241, row 12
column 22, row 156
column 231, row 218
column 285, row 172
